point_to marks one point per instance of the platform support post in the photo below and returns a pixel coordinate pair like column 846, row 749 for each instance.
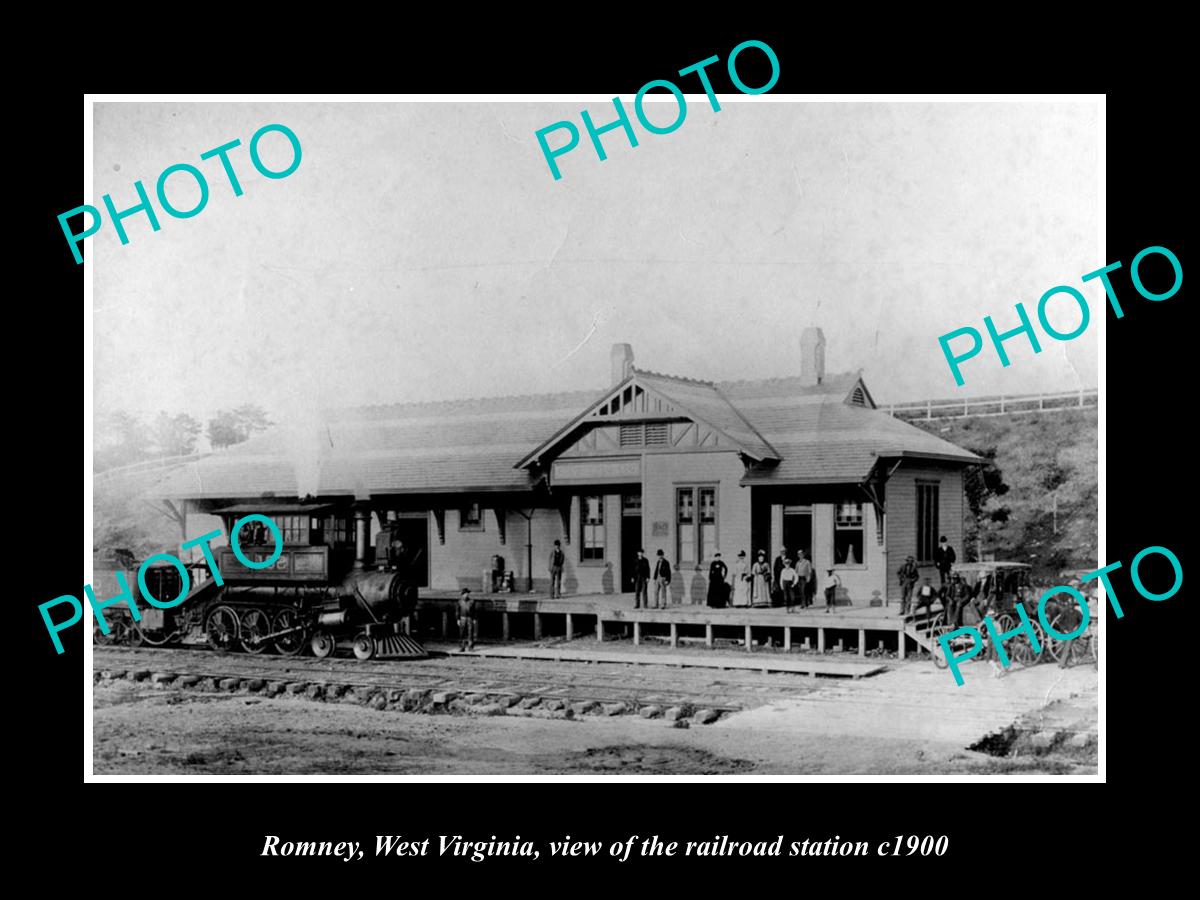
column 637, row 633
column 708, row 634
column 787, row 637
column 504, row 624
column 599, row 629
column 445, row 624
column 862, row 642
column 674, row 635
column 820, row 640
column 902, row 636
column 537, row 626
column 749, row 639
column 570, row 627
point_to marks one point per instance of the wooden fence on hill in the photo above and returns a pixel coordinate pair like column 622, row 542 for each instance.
column 1003, row 405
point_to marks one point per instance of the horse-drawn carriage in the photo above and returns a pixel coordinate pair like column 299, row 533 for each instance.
column 995, row 589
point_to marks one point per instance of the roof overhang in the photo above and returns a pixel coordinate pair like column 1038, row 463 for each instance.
column 963, row 459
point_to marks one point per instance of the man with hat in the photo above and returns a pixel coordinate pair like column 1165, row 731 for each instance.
column 944, row 558
column 956, row 598
column 776, row 570
column 832, row 583
column 557, row 560
column 466, row 621
column 805, row 576
column 662, row 580
column 641, row 581
column 909, row 576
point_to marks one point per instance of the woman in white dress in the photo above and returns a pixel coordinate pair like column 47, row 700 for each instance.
column 760, row 580
column 739, row 576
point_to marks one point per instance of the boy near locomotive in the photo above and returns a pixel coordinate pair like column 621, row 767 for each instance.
column 466, row 620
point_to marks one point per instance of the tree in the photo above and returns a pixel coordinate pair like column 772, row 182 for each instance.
column 175, row 435
column 223, row 430
column 983, row 484
column 121, row 439
column 232, row 426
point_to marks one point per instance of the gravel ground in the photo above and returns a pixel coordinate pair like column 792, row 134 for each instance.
column 140, row 728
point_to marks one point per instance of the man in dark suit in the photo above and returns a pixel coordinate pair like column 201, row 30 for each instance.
column 641, row 581
column 662, row 581
column 944, row 558
column 557, row 560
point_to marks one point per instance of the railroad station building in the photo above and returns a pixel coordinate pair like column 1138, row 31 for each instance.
column 653, row 461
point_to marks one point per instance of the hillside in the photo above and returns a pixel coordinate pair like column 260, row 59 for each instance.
column 1037, row 456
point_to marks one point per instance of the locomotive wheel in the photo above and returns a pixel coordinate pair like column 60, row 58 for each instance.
column 288, row 644
column 129, row 634
column 254, row 625
column 364, row 646
column 322, row 644
column 222, row 628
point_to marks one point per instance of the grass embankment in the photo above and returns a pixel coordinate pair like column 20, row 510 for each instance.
column 1040, row 456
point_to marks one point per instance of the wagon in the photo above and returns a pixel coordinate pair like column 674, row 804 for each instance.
column 995, row 589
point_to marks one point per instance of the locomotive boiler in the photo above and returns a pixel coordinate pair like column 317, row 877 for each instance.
column 311, row 598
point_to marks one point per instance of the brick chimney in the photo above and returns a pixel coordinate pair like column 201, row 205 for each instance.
column 812, row 357
column 622, row 362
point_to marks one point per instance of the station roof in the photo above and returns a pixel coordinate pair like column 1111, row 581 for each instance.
column 790, row 432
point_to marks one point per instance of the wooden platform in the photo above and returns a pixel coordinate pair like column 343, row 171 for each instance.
column 581, row 614
column 766, row 662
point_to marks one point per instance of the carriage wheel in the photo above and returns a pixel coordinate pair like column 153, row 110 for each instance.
column 1060, row 651
column 364, row 646
column 1005, row 622
column 255, row 624
column 222, row 628
column 288, row 644
column 939, row 656
column 322, row 644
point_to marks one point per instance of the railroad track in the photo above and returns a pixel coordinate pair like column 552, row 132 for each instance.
column 527, row 678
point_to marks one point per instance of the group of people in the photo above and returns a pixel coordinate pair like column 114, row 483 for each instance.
column 789, row 582
column 950, row 590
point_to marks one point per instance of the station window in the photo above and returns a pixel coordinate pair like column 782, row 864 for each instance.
column 591, row 544
column 470, row 518
column 696, row 524
column 927, row 521
column 848, row 534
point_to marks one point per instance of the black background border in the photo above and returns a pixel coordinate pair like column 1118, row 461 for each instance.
column 1147, row 437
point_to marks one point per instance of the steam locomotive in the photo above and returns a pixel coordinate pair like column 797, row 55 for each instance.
column 310, row 598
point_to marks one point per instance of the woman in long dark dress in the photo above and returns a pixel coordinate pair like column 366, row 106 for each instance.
column 717, row 589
